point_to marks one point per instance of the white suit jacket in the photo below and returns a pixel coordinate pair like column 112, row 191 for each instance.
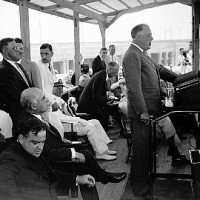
column 48, row 79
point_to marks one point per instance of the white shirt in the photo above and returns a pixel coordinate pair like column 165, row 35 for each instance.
column 137, row 46
column 5, row 124
column 113, row 58
column 48, row 78
column 181, row 59
column 189, row 56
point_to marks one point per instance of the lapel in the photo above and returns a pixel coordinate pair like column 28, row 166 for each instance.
column 51, row 129
column 54, row 131
column 26, row 75
column 144, row 57
column 36, row 164
column 14, row 73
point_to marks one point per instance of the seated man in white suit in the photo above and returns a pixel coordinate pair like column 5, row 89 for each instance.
column 92, row 128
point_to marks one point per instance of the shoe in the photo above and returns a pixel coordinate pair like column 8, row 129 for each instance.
column 105, row 157
column 115, row 177
column 180, row 160
column 109, row 152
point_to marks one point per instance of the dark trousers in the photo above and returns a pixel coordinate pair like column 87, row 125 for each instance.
column 113, row 110
column 140, row 168
column 90, row 166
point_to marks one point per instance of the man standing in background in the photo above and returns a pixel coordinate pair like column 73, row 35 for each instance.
column 111, row 57
column 99, row 62
column 47, row 74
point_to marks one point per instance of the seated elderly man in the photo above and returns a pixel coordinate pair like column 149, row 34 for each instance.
column 92, row 128
column 35, row 104
column 24, row 172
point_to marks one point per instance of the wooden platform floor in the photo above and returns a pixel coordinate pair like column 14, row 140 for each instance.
column 164, row 189
column 112, row 191
column 170, row 188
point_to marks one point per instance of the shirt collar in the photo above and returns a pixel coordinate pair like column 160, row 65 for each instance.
column 137, row 47
column 11, row 62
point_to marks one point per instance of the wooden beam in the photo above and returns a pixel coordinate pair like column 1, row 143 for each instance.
column 79, row 9
column 103, row 32
column 82, row 2
column 77, row 47
column 24, row 27
column 49, row 8
column 137, row 9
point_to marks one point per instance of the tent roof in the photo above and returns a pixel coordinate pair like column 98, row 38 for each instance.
column 95, row 11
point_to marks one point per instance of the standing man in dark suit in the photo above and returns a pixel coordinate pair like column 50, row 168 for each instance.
column 99, row 62
column 142, row 77
column 13, row 78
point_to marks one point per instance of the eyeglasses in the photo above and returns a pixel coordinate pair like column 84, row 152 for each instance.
column 17, row 48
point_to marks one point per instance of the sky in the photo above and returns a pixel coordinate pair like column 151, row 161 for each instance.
column 166, row 22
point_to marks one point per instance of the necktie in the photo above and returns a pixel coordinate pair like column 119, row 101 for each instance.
column 103, row 64
column 23, row 74
column 50, row 67
column 112, row 59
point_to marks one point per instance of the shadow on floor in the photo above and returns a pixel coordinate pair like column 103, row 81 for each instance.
column 166, row 190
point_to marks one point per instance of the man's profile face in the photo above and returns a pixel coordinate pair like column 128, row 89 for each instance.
column 42, row 104
column 145, row 38
column 112, row 50
column 12, row 51
column 33, row 144
column 46, row 55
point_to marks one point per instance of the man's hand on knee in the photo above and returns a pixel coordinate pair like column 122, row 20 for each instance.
column 80, row 157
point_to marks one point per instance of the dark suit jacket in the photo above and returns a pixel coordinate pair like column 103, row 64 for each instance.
column 93, row 96
column 11, row 86
column 54, row 148
column 33, row 72
column 97, row 65
column 24, row 177
column 143, row 82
